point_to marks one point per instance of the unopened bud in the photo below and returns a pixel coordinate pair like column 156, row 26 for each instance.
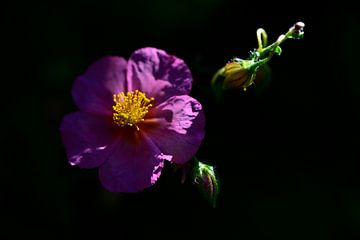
column 237, row 75
column 297, row 30
column 299, row 26
column 207, row 181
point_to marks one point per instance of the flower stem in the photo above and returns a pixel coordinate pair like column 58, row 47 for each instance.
column 262, row 38
column 270, row 50
column 254, row 67
column 296, row 31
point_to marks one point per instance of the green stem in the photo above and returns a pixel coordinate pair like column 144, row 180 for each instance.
column 262, row 38
column 253, row 67
column 270, row 50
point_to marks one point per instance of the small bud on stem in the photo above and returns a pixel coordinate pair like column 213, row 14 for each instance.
column 241, row 74
column 206, row 179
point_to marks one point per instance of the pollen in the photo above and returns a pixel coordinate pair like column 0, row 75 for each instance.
column 130, row 108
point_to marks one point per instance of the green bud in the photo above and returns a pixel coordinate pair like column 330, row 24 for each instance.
column 206, row 179
column 240, row 73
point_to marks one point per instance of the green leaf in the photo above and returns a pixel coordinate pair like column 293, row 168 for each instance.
column 278, row 50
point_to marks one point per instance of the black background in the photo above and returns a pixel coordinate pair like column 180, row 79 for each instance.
column 287, row 155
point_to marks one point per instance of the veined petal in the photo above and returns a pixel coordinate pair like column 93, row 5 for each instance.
column 87, row 138
column 134, row 164
column 93, row 91
column 158, row 74
column 177, row 127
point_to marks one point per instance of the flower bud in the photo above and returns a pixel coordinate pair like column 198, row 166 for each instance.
column 207, row 181
column 238, row 74
column 297, row 31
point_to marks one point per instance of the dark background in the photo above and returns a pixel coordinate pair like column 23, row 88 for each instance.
column 287, row 154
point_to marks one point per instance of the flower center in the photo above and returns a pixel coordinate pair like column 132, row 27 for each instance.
column 130, row 108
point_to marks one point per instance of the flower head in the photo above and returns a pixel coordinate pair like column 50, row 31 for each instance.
column 134, row 115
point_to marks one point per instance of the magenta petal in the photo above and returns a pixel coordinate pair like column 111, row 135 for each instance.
column 87, row 138
column 158, row 74
column 93, row 91
column 132, row 165
column 180, row 128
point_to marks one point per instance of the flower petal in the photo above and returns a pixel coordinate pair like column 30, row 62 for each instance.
column 158, row 74
column 177, row 127
column 87, row 138
column 93, row 91
column 134, row 164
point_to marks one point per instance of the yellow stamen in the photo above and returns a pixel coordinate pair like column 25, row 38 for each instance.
column 130, row 108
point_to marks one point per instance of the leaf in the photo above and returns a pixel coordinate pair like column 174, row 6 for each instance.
column 278, row 50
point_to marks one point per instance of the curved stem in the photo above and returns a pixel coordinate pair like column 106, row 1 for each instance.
column 262, row 38
column 271, row 48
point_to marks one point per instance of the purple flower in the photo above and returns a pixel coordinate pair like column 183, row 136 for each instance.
column 133, row 116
